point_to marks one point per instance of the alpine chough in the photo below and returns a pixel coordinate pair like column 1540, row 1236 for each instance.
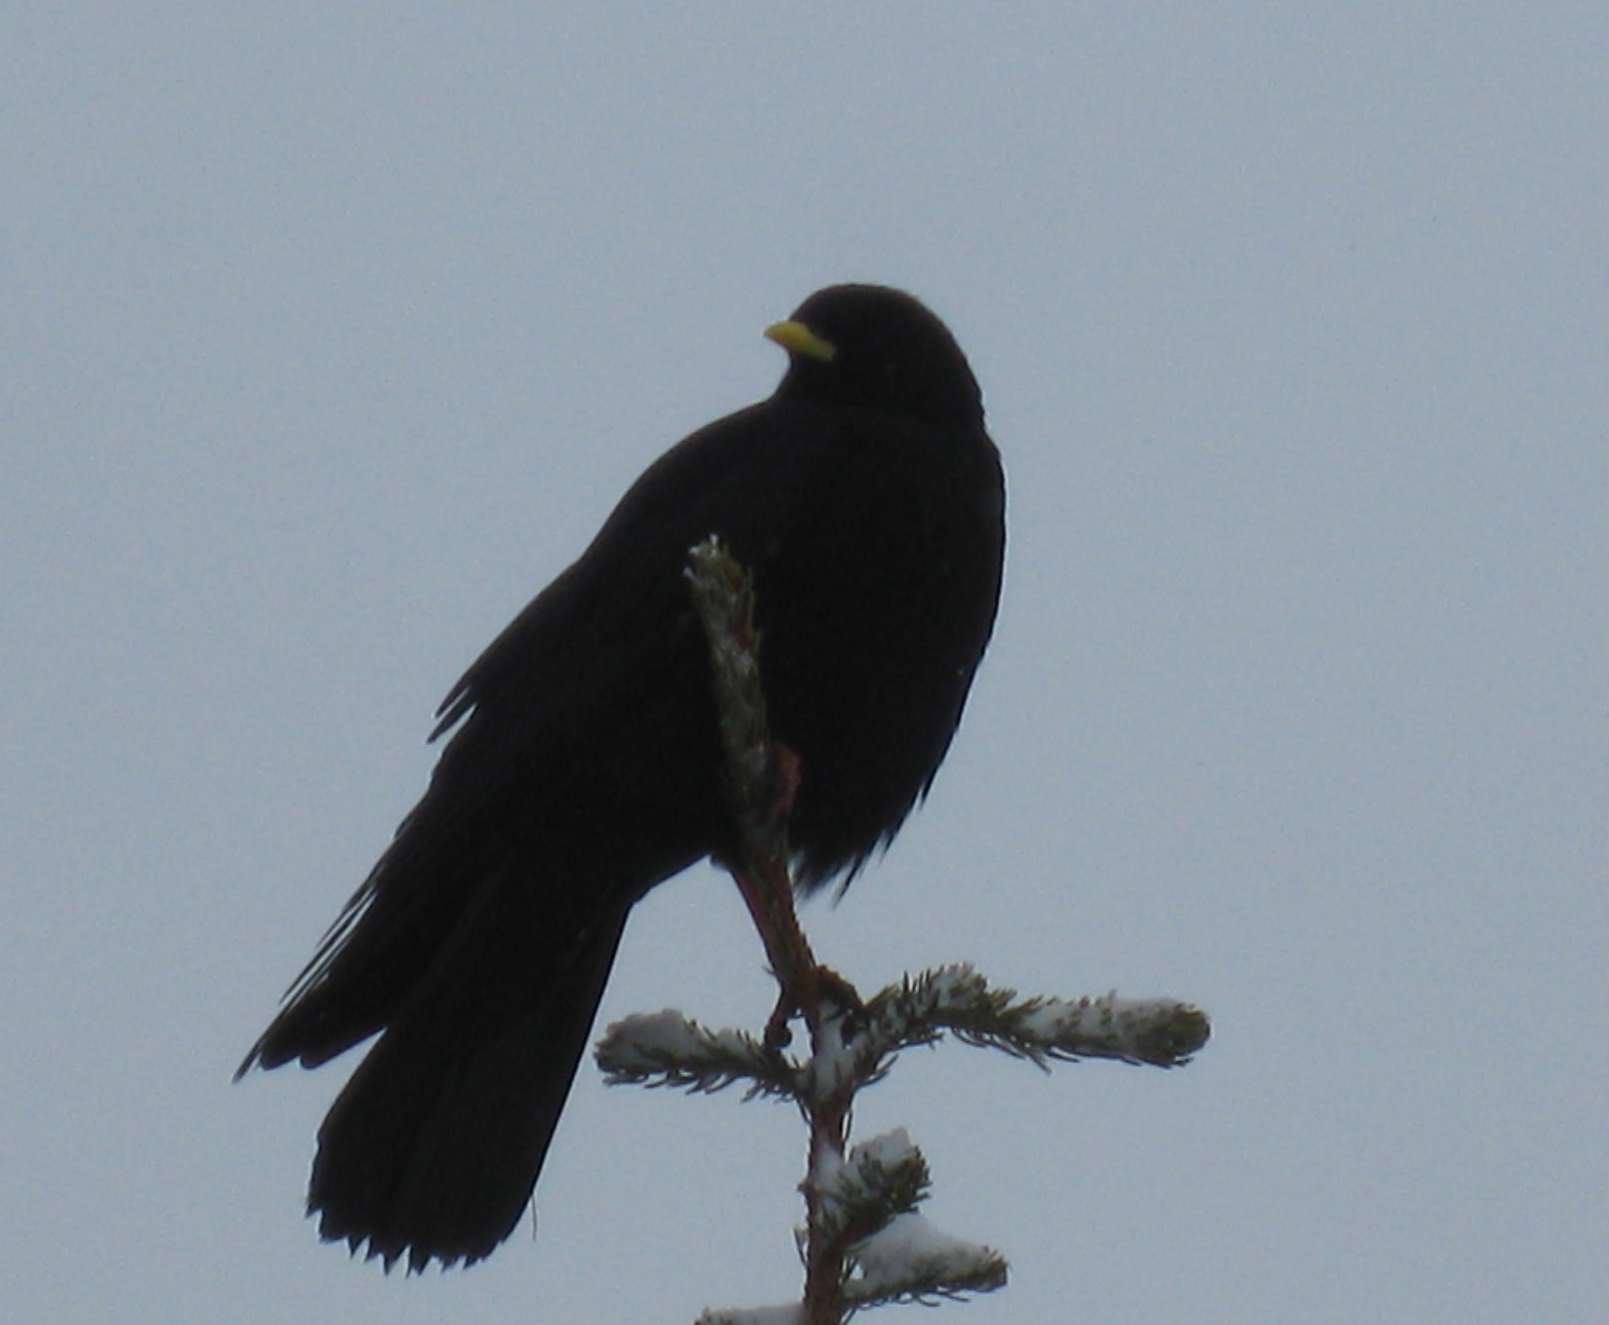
column 584, row 765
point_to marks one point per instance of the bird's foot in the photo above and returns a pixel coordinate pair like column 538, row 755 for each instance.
column 820, row 993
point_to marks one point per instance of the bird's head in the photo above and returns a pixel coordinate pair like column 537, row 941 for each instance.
column 877, row 348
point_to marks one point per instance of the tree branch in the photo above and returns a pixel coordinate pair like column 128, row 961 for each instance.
column 864, row 1242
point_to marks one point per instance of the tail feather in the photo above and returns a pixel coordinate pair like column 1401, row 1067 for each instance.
column 433, row 1148
column 478, row 949
column 424, row 888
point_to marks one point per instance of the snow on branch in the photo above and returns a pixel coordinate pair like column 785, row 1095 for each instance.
column 909, row 1260
column 881, row 1178
column 667, row 1049
column 723, row 595
column 1156, row 1032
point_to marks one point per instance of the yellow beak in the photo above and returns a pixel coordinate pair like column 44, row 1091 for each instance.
column 796, row 338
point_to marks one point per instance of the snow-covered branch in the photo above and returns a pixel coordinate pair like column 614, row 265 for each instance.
column 908, row 1260
column 1157, row 1032
column 881, row 1178
column 723, row 596
column 864, row 1243
column 863, row 1207
column 667, row 1049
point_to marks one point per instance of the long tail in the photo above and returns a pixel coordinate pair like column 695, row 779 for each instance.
column 434, row 1146
column 484, row 980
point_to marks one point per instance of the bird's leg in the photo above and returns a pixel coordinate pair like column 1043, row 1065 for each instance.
column 806, row 986
column 767, row 887
column 770, row 902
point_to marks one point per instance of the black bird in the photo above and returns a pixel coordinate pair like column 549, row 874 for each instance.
column 867, row 501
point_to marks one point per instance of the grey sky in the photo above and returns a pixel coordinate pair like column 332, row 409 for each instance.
column 330, row 335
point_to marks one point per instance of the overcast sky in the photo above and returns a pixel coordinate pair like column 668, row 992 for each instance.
column 329, row 334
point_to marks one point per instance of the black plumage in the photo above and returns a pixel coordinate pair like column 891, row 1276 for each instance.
column 867, row 500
